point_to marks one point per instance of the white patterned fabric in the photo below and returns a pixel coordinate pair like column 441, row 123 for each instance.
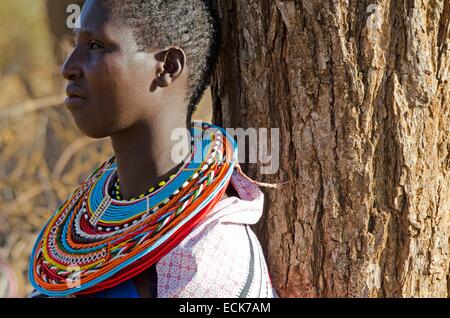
column 221, row 257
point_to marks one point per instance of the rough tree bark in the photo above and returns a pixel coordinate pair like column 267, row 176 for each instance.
column 360, row 92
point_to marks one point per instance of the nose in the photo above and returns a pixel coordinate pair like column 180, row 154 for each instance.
column 71, row 69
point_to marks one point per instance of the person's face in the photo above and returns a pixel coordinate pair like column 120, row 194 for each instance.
column 110, row 80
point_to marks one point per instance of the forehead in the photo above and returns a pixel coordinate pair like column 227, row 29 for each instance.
column 94, row 14
column 97, row 18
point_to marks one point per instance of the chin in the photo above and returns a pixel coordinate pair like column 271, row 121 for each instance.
column 93, row 132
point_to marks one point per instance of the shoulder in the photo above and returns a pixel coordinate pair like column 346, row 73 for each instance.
column 224, row 260
column 221, row 257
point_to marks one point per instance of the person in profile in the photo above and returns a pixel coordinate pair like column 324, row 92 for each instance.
column 144, row 224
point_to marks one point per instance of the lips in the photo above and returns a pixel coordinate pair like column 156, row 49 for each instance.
column 76, row 96
column 73, row 90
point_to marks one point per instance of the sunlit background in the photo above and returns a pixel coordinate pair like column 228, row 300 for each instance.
column 43, row 157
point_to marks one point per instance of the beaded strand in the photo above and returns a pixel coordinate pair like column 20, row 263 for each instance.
column 115, row 191
column 105, row 242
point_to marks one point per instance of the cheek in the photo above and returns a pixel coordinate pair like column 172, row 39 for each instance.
column 108, row 85
column 101, row 76
column 121, row 81
column 118, row 95
column 135, row 83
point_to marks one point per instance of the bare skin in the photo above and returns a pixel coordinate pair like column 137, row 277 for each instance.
column 136, row 98
column 133, row 97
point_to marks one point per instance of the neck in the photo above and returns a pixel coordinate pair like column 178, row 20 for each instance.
column 143, row 154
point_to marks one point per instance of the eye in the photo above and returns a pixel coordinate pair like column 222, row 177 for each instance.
column 93, row 45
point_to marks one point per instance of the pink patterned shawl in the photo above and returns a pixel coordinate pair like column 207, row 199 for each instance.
column 222, row 257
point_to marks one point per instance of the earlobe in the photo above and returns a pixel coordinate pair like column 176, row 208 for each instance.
column 164, row 79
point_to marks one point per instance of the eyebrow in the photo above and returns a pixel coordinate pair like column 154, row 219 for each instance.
column 81, row 32
column 91, row 33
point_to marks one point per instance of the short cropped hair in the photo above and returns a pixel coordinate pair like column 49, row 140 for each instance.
column 192, row 25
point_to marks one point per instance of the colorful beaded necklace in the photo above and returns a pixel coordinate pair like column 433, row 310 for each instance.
column 94, row 242
column 115, row 190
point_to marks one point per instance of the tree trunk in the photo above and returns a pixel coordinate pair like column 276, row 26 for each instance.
column 360, row 92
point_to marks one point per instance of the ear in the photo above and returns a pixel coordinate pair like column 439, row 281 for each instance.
column 171, row 68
